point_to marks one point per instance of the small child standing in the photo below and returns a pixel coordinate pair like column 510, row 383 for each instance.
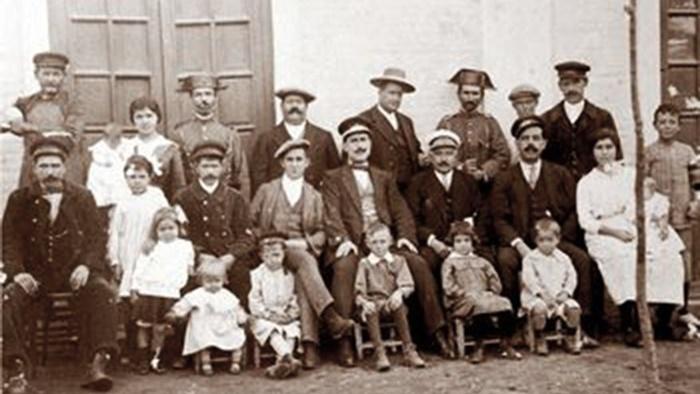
column 472, row 291
column 215, row 318
column 160, row 272
column 548, row 284
column 273, row 306
column 382, row 283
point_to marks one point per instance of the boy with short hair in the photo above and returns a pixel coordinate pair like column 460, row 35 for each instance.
column 382, row 283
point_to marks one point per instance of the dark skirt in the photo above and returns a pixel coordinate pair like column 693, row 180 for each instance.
column 151, row 310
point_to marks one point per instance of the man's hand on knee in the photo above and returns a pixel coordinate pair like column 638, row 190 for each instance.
column 27, row 282
column 345, row 249
column 79, row 277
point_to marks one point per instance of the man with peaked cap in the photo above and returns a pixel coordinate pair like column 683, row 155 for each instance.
column 524, row 99
column 203, row 126
column 51, row 243
column 442, row 195
column 355, row 196
column 291, row 205
column 323, row 154
column 530, row 190
column 395, row 146
column 571, row 122
column 484, row 150
column 52, row 111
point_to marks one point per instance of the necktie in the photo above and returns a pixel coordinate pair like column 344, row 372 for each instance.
column 54, row 200
column 532, row 177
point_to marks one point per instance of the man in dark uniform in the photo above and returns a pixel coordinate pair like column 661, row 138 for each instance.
column 52, row 111
column 355, row 196
column 484, row 150
column 322, row 153
column 440, row 196
column 395, row 146
column 571, row 122
column 51, row 243
column 204, row 126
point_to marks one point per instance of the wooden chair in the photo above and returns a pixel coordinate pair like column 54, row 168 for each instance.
column 217, row 356
column 389, row 338
column 54, row 327
column 551, row 335
column 462, row 340
column 266, row 352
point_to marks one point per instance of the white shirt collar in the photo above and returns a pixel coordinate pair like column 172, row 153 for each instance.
column 445, row 179
column 207, row 188
column 374, row 259
column 526, row 168
column 295, row 131
column 391, row 117
column 362, row 178
column 292, row 188
column 573, row 111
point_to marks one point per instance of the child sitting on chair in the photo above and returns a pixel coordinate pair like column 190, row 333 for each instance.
column 273, row 306
column 382, row 283
column 215, row 318
column 548, row 284
column 472, row 291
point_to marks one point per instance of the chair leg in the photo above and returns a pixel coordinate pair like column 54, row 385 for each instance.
column 459, row 337
column 256, row 354
column 357, row 328
column 530, row 335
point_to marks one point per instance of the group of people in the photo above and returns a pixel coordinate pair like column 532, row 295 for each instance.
column 169, row 240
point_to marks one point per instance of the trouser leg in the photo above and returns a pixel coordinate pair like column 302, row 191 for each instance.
column 426, row 292
column 508, row 266
column 400, row 317
column 343, row 284
column 97, row 315
column 17, row 308
column 305, row 266
column 308, row 317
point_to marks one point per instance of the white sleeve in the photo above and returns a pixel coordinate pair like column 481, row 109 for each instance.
column 584, row 208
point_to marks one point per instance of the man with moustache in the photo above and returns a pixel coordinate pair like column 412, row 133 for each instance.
column 355, row 196
column 484, row 150
column 51, row 243
column 571, row 122
column 395, row 147
column 52, row 111
column 322, row 153
column 530, row 190
column 203, row 89
column 524, row 99
column 440, row 196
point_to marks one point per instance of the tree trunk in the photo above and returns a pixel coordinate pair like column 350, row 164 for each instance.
column 651, row 359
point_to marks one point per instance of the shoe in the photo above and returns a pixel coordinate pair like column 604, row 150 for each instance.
column 572, row 345
column 207, row 369
column 98, row 380
column 346, row 358
column 282, row 368
column 311, row 356
column 157, row 367
column 338, row 326
column 589, row 342
column 296, row 366
column 412, row 357
column 235, row 368
column 508, row 352
column 446, row 351
column 477, row 356
column 541, row 347
column 179, row 363
column 16, row 382
column 381, row 362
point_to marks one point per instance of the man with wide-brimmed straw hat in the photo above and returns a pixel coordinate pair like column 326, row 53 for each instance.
column 395, row 146
column 484, row 151
column 203, row 89
column 52, row 111
column 323, row 154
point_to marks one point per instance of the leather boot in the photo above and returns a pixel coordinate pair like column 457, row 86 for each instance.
column 541, row 346
column 381, row 362
column 98, row 380
column 477, row 357
column 338, row 326
column 311, row 357
column 346, row 357
column 446, row 351
column 411, row 356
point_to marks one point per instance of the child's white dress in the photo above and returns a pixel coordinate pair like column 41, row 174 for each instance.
column 273, row 291
column 215, row 320
column 106, row 178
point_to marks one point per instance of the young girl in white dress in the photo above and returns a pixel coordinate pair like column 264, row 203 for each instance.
column 216, row 318
column 273, row 306
column 160, row 272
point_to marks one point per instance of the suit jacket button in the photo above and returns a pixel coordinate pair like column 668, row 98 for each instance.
column 34, row 220
column 206, row 234
column 204, row 202
column 205, row 218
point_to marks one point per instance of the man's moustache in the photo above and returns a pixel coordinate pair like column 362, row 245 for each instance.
column 210, row 177
column 530, row 148
column 295, row 111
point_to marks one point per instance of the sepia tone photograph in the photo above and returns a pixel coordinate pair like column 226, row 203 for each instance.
column 366, row 196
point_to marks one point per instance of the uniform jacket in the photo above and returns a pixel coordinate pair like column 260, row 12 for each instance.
column 218, row 223
column 384, row 143
column 510, row 205
column 50, row 251
column 569, row 145
column 323, row 155
column 343, row 212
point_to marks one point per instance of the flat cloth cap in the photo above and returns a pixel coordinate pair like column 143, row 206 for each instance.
column 200, row 80
column 49, row 146
column 289, row 145
column 288, row 91
column 525, row 123
column 271, row 237
column 444, row 139
column 572, row 69
column 468, row 76
column 208, row 149
column 522, row 91
column 51, row 59
column 354, row 125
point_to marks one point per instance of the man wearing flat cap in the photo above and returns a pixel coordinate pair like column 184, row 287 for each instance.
column 524, row 99
column 203, row 89
column 355, row 196
column 395, row 147
column 51, row 243
column 526, row 192
column 323, row 154
column 442, row 195
column 52, row 111
column 484, row 150
column 571, row 122
column 292, row 206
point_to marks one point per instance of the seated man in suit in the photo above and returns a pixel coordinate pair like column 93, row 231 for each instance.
column 355, row 196
column 442, row 195
column 528, row 191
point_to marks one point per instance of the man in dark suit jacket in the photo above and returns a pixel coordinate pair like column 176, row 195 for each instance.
column 571, row 122
column 322, row 152
column 442, row 195
column 355, row 196
column 51, row 243
column 395, row 147
column 530, row 190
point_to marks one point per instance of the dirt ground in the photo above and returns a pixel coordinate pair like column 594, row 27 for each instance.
column 610, row 369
